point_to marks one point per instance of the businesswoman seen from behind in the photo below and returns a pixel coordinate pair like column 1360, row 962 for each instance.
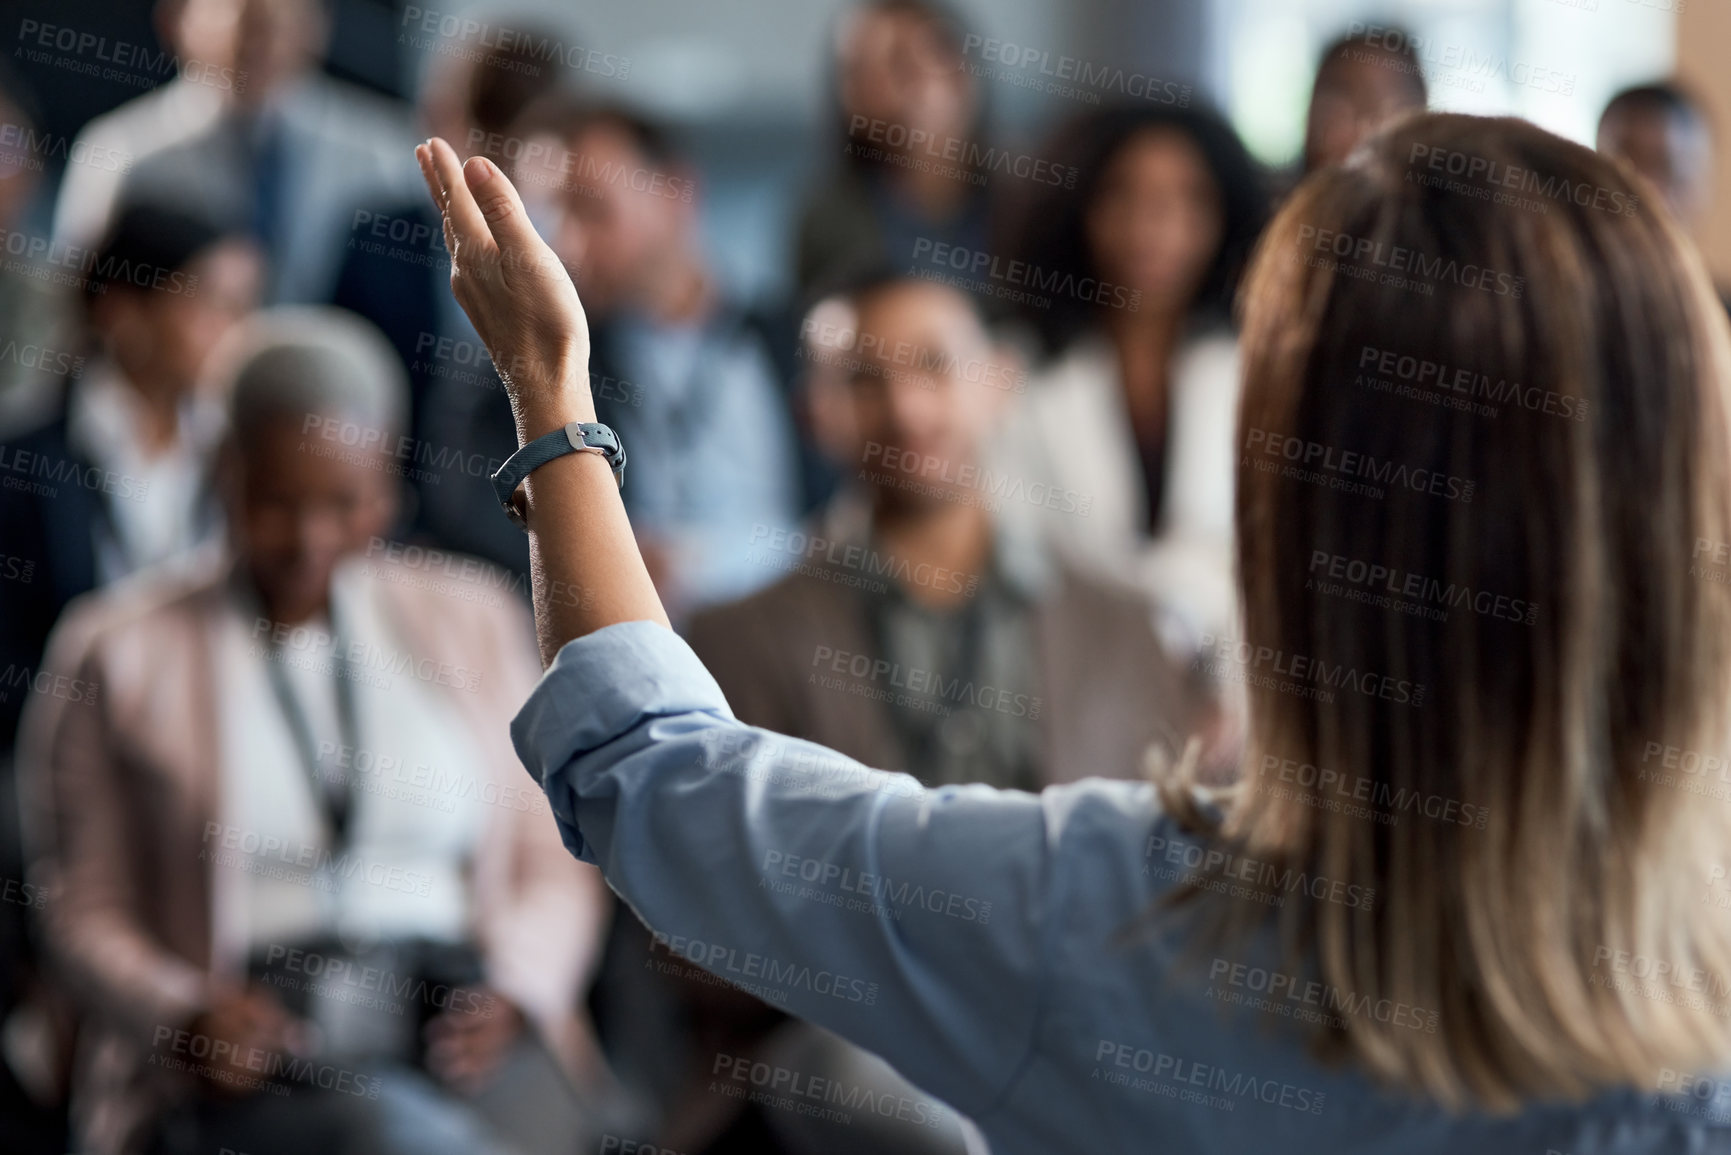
column 1456, row 902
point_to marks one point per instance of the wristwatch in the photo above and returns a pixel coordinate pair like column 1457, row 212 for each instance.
column 577, row 437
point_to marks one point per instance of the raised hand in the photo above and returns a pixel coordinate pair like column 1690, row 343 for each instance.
column 513, row 287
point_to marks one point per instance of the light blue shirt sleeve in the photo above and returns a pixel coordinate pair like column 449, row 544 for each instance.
column 910, row 921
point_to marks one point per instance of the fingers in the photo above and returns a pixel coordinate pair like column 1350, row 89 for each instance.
column 500, row 206
column 463, row 220
column 435, row 189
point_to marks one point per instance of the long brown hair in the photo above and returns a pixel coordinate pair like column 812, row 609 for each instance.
column 1486, row 362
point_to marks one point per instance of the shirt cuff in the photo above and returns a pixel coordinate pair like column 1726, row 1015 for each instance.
column 604, row 685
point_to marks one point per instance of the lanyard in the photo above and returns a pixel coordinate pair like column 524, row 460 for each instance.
column 331, row 791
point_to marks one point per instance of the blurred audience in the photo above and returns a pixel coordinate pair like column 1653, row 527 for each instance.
column 39, row 331
column 1131, row 418
column 1364, row 80
column 1663, row 133
column 120, row 471
column 252, row 130
column 300, row 890
column 911, row 127
column 686, row 375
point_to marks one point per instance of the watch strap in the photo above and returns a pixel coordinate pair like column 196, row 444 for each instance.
column 577, row 437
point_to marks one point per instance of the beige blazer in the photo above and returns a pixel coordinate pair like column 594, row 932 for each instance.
column 120, row 774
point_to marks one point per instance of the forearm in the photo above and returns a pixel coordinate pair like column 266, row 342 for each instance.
column 583, row 558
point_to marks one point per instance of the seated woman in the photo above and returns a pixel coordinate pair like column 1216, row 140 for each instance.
column 1141, row 369
column 1455, row 902
column 299, row 892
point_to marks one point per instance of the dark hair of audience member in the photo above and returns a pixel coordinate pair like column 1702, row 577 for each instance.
column 1050, row 231
column 1395, row 45
column 1527, row 714
column 1662, row 96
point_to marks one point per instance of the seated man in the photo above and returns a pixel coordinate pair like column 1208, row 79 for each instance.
column 300, row 889
column 914, row 632
column 685, row 375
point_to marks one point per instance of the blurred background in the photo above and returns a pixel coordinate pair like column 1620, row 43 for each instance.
column 847, row 265
column 748, row 83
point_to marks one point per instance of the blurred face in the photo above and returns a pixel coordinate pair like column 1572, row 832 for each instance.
column 920, row 407
column 1669, row 151
column 1157, row 222
column 1354, row 96
column 265, row 42
column 896, row 68
column 618, row 226
column 162, row 339
column 294, row 515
